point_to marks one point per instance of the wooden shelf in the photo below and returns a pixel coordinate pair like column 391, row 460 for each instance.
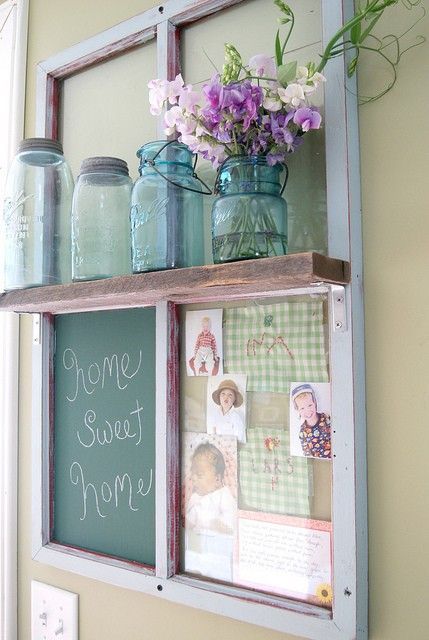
column 194, row 284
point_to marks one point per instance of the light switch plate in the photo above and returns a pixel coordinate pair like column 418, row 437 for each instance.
column 54, row 613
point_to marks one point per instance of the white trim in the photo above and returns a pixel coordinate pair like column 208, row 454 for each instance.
column 9, row 350
column 9, row 339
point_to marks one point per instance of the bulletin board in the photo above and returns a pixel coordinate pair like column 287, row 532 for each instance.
column 257, row 442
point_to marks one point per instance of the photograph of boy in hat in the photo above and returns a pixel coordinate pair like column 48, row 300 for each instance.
column 226, row 407
column 314, row 431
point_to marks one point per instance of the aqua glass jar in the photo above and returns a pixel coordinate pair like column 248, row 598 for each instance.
column 249, row 216
column 167, row 224
column 36, row 216
column 101, row 220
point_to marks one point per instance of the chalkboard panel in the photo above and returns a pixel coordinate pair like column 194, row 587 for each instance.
column 104, row 433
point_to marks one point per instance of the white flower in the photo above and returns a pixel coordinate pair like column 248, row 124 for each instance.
column 293, row 94
column 309, row 83
column 272, row 103
column 317, row 79
column 302, row 75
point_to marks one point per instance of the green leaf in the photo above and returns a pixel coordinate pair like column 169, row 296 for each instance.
column 355, row 33
column 286, row 73
column 278, row 49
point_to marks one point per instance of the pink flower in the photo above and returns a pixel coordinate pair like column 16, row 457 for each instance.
column 175, row 119
column 263, row 65
column 307, row 118
column 162, row 90
column 158, row 93
column 175, row 88
column 188, row 99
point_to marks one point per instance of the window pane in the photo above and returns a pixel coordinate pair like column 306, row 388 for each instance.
column 105, row 109
column 256, row 446
column 251, row 27
column 104, row 433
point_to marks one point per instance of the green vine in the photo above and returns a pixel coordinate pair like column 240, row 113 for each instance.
column 354, row 37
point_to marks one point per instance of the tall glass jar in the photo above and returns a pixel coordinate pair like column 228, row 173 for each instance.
column 36, row 221
column 249, row 218
column 101, row 220
column 167, row 209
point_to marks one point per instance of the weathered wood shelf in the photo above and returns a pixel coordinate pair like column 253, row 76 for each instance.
column 194, row 284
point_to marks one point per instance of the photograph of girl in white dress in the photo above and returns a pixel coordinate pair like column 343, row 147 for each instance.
column 226, row 406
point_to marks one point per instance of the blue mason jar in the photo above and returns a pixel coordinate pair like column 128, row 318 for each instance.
column 167, row 225
column 36, row 216
column 249, row 217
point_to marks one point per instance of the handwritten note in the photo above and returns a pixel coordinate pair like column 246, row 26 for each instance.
column 278, row 555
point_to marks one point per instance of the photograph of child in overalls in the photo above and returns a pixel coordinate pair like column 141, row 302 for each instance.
column 204, row 342
column 310, row 420
column 209, row 504
column 226, row 406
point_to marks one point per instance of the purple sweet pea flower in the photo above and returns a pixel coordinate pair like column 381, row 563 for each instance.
column 274, row 157
column 213, row 92
column 279, row 127
column 307, row 118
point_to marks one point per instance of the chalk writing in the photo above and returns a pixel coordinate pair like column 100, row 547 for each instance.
column 95, row 374
column 119, row 430
column 122, row 489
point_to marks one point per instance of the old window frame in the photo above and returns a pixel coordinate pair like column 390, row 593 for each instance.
column 344, row 241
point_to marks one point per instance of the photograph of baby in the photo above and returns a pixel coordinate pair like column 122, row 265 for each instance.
column 310, row 420
column 204, row 343
column 209, row 484
column 226, row 406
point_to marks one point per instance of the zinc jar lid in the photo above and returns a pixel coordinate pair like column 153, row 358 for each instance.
column 40, row 144
column 104, row 164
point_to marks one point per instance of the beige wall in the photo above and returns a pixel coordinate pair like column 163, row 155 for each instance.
column 395, row 193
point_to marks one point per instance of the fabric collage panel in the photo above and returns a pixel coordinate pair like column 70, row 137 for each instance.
column 275, row 344
column 270, row 479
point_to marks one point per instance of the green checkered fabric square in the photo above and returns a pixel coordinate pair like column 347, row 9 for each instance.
column 276, row 344
column 270, row 479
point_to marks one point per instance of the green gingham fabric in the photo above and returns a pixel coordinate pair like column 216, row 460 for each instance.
column 270, row 479
column 276, row 344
